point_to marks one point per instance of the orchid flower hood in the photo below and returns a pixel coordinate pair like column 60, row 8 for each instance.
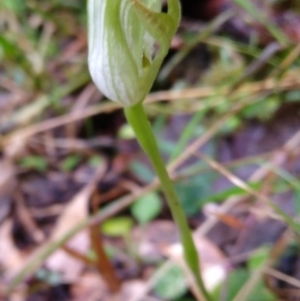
column 128, row 40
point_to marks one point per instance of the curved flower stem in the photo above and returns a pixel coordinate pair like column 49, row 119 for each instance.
column 138, row 120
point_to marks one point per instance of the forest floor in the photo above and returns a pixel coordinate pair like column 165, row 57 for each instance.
column 81, row 214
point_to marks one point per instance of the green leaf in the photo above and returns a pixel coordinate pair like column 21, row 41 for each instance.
column 264, row 110
column 233, row 191
column 234, row 282
column 297, row 201
column 142, row 171
column 95, row 161
column 13, row 5
column 146, row 208
column 240, row 278
column 70, row 162
column 118, row 226
column 192, row 191
column 126, row 132
column 172, row 285
column 34, row 162
column 259, row 257
column 292, row 96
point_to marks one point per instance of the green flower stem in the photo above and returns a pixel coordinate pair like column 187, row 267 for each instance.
column 138, row 120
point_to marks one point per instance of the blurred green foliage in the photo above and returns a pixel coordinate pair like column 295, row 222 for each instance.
column 34, row 162
column 70, row 162
column 147, row 207
column 117, row 226
column 173, row 285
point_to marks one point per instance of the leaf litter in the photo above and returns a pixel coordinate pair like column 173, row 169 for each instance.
column 43, row 102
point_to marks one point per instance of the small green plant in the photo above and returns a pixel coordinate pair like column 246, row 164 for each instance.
column 70, row 162
column 173, row 285
column 34, row 162
column 146, row 208
column 119, row 226
column 128, row 40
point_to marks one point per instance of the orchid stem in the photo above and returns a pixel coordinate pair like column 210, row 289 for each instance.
column 138, row 120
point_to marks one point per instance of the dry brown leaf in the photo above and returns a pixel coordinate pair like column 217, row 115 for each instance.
column 213, row 261
column 76, row 211
column 91, row 287
column 69, row 268
column 7, row 177
column 152, row 239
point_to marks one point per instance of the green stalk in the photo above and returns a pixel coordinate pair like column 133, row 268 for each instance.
column 138, row 120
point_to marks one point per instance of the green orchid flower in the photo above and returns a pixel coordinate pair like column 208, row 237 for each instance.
column 128, row 40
